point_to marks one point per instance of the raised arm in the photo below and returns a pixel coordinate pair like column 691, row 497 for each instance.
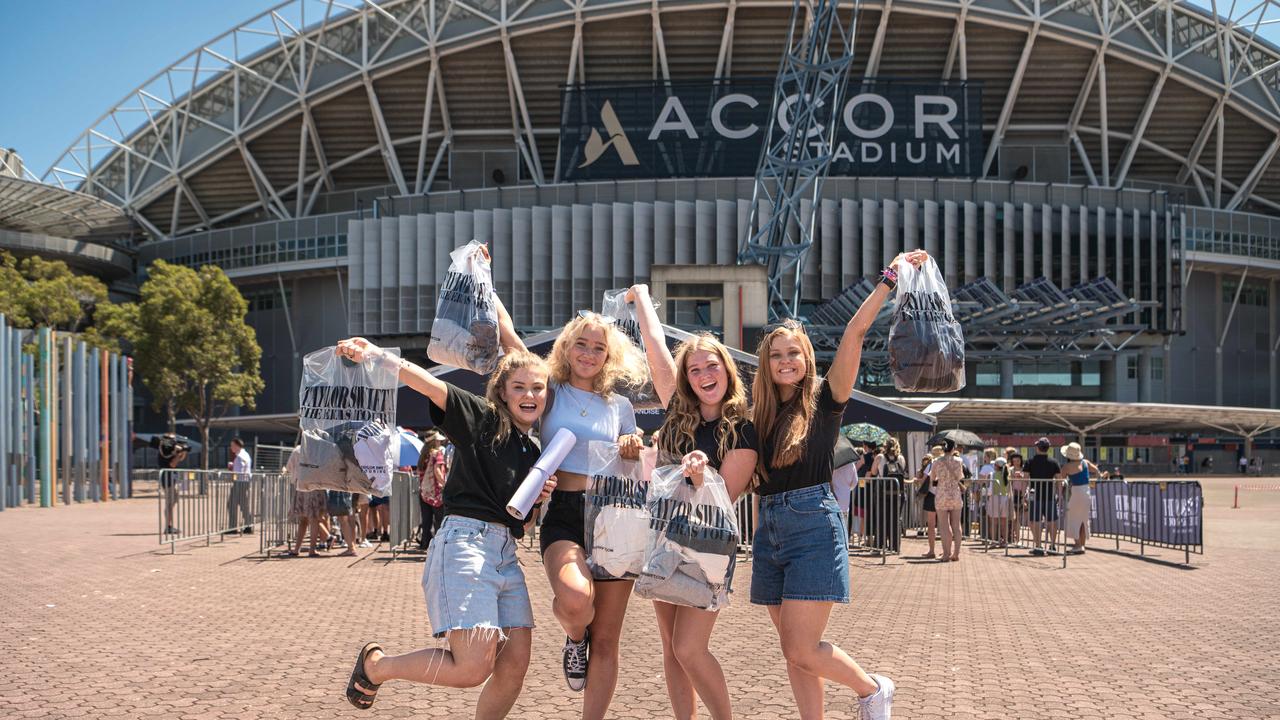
column 358, row 350
column 662, row 367
column 507, row 336
column 844, row 368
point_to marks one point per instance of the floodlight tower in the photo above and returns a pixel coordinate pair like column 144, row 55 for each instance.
column 799, row 145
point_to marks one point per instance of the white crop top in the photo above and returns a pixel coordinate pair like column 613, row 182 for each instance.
column 589, row 417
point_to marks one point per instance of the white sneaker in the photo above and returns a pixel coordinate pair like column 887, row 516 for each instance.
column 877, row 705
column 365, row 544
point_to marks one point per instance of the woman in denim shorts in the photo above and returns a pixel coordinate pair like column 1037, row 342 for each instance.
column 475, row 591
column 800, row 563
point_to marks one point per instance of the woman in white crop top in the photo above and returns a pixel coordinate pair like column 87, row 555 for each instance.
column 590, row 358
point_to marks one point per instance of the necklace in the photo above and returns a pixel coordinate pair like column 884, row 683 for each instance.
column 576, row 401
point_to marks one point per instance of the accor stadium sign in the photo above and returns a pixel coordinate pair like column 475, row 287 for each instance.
column 716, row 129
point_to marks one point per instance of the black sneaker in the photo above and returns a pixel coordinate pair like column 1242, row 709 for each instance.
column 386, row 537
column 1053, row 549
column 248, row 531
column 575, row 662
column 1037, row 551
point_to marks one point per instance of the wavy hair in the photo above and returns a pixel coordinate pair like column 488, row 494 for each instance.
column 892, row 449
column 684, row 414
column 512, row 361
column 624, row 365
column 786, row 425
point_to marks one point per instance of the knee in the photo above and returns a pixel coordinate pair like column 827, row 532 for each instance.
column 474, row 672
column 799, row 654
column 687, row 651
column 605, row 646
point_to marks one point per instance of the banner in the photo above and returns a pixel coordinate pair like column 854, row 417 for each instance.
column 716, row 128
column 1170, row 513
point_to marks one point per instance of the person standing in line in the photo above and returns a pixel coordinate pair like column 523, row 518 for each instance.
column 1076, row 471
column 239, row 499
column 998, row 503
column 885, row 526
column 1018, row 510
column 432, row 472
column 800, row 562
column 340, row 507
column 475, row 590
column 1044, row 503
column 706, row 427
column 1244, row 464
column 982, row 491
column 590, row 360
column 930, row 502
column 948, row 474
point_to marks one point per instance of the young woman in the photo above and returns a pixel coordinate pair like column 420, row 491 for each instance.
column 433, row 470
column 998, row 503
column 800, row 564
column 590, row 358
column 1076, row 471
column 706, row 427
column 475, row 591
column 1018, row 484
column 948, row 475
column 925, row 491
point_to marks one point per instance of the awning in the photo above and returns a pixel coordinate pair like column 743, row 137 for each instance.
column 412, row 409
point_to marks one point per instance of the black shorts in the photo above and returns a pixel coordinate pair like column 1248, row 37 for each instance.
column 929, row 502
column 563, row 520
column 375, row 501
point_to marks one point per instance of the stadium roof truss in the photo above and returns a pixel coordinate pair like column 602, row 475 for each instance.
column 273, row 72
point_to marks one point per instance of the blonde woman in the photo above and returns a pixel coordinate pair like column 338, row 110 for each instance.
column 590, row 359
column 706, row 427
column 475, row 590
column 800, row 566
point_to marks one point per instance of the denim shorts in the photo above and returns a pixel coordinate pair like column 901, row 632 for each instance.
column 473, row 580
column 799, row 551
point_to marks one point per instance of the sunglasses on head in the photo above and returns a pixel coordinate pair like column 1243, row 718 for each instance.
column 591, row 315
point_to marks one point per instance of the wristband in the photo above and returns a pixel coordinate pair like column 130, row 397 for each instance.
column 889, row 277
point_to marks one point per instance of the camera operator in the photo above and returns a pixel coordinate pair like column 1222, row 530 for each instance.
column 173, row 450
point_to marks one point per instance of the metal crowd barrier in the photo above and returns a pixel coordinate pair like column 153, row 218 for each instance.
column 406, row 514
column 1163, row 514
column 275, row 499
column 875, row 517
column 205, row 503
column 746, row 507
column 1037, row 519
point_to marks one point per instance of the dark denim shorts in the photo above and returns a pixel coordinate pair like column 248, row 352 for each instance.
column 800, row 551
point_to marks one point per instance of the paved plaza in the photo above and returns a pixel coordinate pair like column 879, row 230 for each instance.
column 96, row 623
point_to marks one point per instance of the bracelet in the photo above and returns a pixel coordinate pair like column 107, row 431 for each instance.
column 889, row 277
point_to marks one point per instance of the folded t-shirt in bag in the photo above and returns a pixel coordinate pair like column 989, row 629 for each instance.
column 615, row 514
column 926, row 344
column 465, row 330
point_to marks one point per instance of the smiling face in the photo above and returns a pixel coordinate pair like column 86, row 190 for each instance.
column 588, row 353
column 705, row 373
column 787, row 364
column 525, row 395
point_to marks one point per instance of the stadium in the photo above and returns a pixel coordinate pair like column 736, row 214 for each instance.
column 1105, row 207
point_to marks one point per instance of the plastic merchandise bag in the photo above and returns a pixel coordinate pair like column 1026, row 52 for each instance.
column 615, row 513
column 926, row 344
column 693, row 541
column 347, row 414
column 465, row 330
column 623, row 313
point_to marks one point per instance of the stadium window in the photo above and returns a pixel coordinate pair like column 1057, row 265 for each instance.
column 1157, row 369
column 988, row 375
column 1131, row 367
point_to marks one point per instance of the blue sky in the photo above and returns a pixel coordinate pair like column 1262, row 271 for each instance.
column 72, row 60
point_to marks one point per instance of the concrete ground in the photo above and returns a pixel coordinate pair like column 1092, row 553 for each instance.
column 94, row 622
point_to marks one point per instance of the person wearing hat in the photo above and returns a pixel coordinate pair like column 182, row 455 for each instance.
column 433, row 470
column 1076, row 471
column 998, row 503
column 1044, row 502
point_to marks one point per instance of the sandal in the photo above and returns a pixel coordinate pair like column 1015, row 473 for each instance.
column 357, row 697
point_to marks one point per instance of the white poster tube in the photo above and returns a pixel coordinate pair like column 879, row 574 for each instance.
column 548, row 462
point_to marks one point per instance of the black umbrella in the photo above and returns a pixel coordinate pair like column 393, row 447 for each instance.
column 962, row 438
column 846, row 454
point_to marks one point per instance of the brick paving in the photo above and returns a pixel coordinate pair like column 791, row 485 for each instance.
column 94, row 623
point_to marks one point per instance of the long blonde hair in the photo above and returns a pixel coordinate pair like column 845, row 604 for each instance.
column 512, row 361
column 624, row 365
column 684, row 411
column 768, row 409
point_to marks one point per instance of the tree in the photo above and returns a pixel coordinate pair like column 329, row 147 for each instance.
column 13, row 292
column 191, row 345
column 35, row 292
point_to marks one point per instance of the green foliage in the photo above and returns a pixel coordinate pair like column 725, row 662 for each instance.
column 191, row 345
column 35, row 292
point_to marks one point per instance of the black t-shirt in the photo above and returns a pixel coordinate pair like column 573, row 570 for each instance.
column 815, row 464
column 704, row 439
column 482, row 478
column 1041, row 467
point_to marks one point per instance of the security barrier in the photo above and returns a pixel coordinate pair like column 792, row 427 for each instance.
column 875, row 517
column 406, row 513
column 208, row 503
column 1164, row 514
column 275, row 493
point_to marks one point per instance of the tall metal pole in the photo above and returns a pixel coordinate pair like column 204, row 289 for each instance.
column 32, row 460
column 45, row 341
column 104, row 428
column 92, row 416
column 81, row 422
column 5, row 416
column 65, row 419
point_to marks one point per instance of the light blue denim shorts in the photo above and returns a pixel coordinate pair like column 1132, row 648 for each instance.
column 799, row 550
column 473, row 580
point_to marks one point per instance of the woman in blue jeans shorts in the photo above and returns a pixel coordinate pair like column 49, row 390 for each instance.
column 800, row 564
column 475, row 591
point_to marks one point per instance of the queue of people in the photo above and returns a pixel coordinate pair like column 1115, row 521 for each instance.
column 780, row 448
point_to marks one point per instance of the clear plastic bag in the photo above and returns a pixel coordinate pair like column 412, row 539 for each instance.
column 693, row 541
column 465, row 330
column 615, row 513
column 347, row 414
column 623, row 313
column 926, row 344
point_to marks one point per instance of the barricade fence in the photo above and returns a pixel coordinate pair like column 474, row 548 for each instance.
column 875, row 518
column 1164, row 514
column 406, row 513
column 206, row 503
column 275, row 493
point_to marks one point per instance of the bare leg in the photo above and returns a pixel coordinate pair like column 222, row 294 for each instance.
column 931, row 520
column 349, row 532
column 302, row 533
column 805, row 687
column 679, row 686
column 468, row 662
column 606, row 632
column 692, row 649
column 944, row 519
column 504, row 685
column 956, row 533
column 566, row 566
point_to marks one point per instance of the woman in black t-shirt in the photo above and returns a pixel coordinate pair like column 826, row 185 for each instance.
column 706, row 427
column 800, row 565
column 475, row 590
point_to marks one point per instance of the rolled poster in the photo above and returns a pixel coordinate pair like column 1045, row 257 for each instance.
column 548, row 462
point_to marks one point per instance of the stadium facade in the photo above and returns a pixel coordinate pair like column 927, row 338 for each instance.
column 1109, row 218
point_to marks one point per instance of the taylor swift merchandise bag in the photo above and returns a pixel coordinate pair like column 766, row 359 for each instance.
column 926, row 344
column 615, row 513
column 615, row 307
column 693, row 541
column 465, row 330
column 347, row 414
